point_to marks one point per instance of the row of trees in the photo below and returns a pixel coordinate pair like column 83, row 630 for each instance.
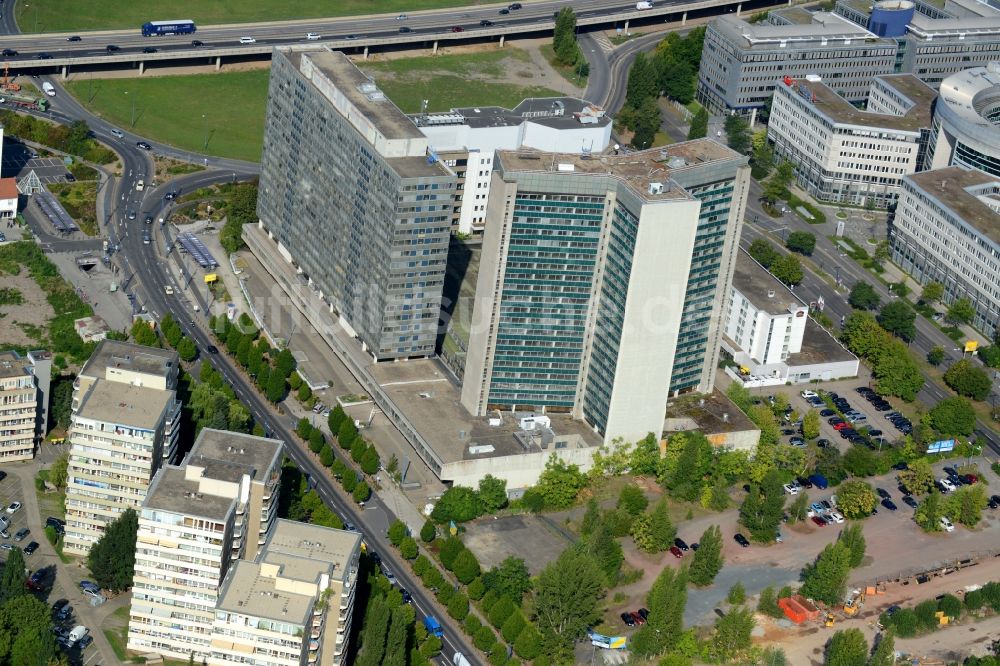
column 241, row 208
column 461, row 504
column 895, row 371
column 564, row 44
column 785, row 267
column 389, row 635
column 270, row 368
column 849, row 647
column 908, row 622
column 74, row 139
column 826, row 578
column 175, row 337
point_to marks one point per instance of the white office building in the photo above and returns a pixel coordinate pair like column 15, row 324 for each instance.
column 466, row 140
column 769, row 334
column 947, row 229
column 846, row 155
column 965, row 131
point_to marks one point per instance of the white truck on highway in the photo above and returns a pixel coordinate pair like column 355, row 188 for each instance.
column 644, row 4
column 48, row 89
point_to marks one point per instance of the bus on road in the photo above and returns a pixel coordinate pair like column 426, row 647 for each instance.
column 159, row 28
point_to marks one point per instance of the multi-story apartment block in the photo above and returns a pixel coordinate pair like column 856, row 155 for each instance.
column 127, row 363
column 743, row 62
column 24, row 403
column 965, row 129
column 602, row 282
column 293, row 604
column 945, row 230
column 197, row 518
column 120, row 436
column 465, row 140
column 843, row 154
column 352, row 197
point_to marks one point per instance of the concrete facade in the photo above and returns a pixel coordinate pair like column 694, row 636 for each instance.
column 602, row 282
column 24, row 399
column 197, row 519
column 965, row 132
column 945, row 230
column 844, row 155
column 352, row 198
column 466, row 140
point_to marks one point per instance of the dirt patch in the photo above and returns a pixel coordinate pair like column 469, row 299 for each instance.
column 535, row 539
column 18, row 321
column 166, row 169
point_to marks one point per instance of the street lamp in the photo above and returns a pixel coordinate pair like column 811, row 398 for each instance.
column 133, row 110
column 205, row 125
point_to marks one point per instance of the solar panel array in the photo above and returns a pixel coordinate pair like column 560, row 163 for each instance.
column 53, row 210
column 193, row 246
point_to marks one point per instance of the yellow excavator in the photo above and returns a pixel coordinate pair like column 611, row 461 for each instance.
column 855, row 600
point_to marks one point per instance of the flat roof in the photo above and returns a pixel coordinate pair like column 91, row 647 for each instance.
column 639, row 169
column 824, row 26
column 330, row 548
column 172, row 493
column 555, row 112
column 246, row 591
column 756, row 283
column 423, row 391
column 129, row 356
column 862, row 6
column 792, row 15
column 125, row 404
column 229, row 455
column 713, row 412
column 13, row 364
column 818, row 346
column 832, row 105
column 950, row 186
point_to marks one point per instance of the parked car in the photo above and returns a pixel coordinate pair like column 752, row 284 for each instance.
column 14, row 507
column 803, row 482
column 968, row 479
column 790, row 489
column 889, row 504
column 947, row 525
column 628, row 619
column 819, row 481
column 883, row 493
column 676, row 552
column 30, row 548
column 88, row 586
column 828, row 412
column 909, row 501
column 796, row 441
column 638, row 619
column 947, row 484
column 21, row 534
column 742, row 540
column 809, row 394
column 819, row 521
column 681, row 544
column 643, row 613
column 994, row 502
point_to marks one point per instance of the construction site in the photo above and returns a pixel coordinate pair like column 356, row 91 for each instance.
column 14, row 94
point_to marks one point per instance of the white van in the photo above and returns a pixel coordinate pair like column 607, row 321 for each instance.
column 78, row 632
column 140, row 186
column 247, row 40
column 48, row 89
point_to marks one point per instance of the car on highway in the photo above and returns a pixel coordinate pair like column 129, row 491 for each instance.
column 111, row 48
column 148, row 219
column 149, row 49
column 14, row 507
column 407, row 597
column 9, row 53
column 247, row 40
column 43, row 56
column 30, row 548
column 742, row 540
column 143, row 145
column 402, row 17
column 140, row 185
column 504, row 11
column 514, row 6
column 117, row 133
column 131, row 215
column 312, row 36
column 351, row 37
column 405, row 29
column 197, row 42
column 485, row 23
column 457, row 28
column 73, row 38
column 171, row 195
column 168, row 290
column 212, row 349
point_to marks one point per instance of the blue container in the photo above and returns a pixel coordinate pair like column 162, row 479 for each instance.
column 890, row 17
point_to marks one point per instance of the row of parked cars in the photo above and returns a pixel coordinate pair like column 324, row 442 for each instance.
column 635, row 617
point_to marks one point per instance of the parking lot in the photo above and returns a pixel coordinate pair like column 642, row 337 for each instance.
column 19, row 159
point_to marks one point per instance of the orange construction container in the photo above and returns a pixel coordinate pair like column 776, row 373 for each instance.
column 798, row 609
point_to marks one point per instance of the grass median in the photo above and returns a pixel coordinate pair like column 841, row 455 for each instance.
column 73, row 15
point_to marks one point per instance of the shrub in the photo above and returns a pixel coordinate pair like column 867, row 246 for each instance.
column 428, row 532
column 513, row 626
column 471, row 624
column 466, row 567
column 408, row 548
column 459, row 504
column 326, row 455
column 397, row 532
column 449, row 550
column 973, row 600
column 458, row 606
column 501, row 611
column 476, row 589
column 422, row 564
column 484, row 639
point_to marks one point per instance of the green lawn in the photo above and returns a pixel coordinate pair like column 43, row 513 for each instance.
column 448, row 81
column 73, row 15
column 170, row 109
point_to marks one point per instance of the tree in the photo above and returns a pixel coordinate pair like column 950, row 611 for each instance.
column 898, row 318
column 326, row 456
column 733, row 633
column 990, row 356
column 317, row 440
column 112, row 558
column 361, row 492
column 897, row 373
column 492, row 493
column 763, row 508
column 863, row 296
column 567, row 599
column 370, row 463
column 529, row 643
column 847, row 647
column 276, row 387
column 788, row 269
column 968, row 380
column 591, row 517
column 303, row 393
column 737, row 133
column 26, row 626
column 936, row 355
column 853, row 537
column 737, row 594
column 826, row 578
column 647, row 123
column 632, row 500
column 653, row 532
column 763, row 252
column 954, row 416
column 693, row 464
column 799, row 508
column 285, row 363
column 699, row 125
column 642, row 84
column 449, row 550
column 144, row 335
column 606, row 552
column 667, row 599
column 187, row 350
column 961, row 311
column 428, row 531
column 932, row 292
column 762, row 159
column 397, row 532
column 12, row 580
column 856, row 499
column 966, row 505
column 885, row 650
column 466, row 567
column 510, row 579
column 810, row 424
column 860, row 461
column 768, row 603
column 802, row 242
column 564, row 37
column 560, row 483
column 336, row 418
column 919, row 478
column 459, row 504
column 59, row 472
column 708, row 559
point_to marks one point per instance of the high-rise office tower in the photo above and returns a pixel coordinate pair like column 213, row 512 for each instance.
column 354, row 198
column 602, row 282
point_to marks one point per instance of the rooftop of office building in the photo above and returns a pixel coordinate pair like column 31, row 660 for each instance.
column 125, row 404
column 648, row 172
column 790, row 15
column 763, row 290
column 972, row 98
column 13, row 364
column 824, row 26
column 339, row 80
column 712, row 413
column 227, row 456
column 818, row 346
column 554, row 112
column 960, row 190
column 171, row 492
column 841, row 112
column 129, row 356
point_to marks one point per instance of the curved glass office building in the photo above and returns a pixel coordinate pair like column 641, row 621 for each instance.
column 966, row 130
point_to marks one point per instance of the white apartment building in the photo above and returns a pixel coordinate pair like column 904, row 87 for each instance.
column 466, row 140
column 769, row 334
column 845, row 155
column 128, row 363
column 197, row 519
column 293, row 604
column 121, row 434
column 24, row 399
column 947, row 229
